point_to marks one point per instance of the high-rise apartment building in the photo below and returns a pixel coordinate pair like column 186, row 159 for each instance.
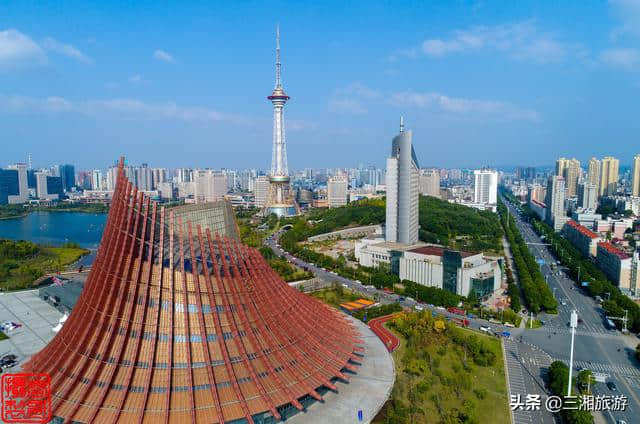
column 556, row 216
column 588, row 196
column 403, row 185
column 337, row 191
column 570, row 170
column 430, row 182
column 261, row 190
column 593, row 172
column 209, row 185
column 96, row 180
column 608, row 176
column 485, row 187
column 635, row 176
column 158, row 176
column 561, row 164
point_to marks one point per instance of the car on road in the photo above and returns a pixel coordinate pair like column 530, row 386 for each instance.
column 612, row 386
column 485, row 328
column 6, row 359
column 563, row 303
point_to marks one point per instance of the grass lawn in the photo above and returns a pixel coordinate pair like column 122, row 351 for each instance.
column 3, row 336
column 437, row 381
column 336, row 295
column 20, row 274
column 536, row 324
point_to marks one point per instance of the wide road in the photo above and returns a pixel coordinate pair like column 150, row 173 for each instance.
column 596, row 347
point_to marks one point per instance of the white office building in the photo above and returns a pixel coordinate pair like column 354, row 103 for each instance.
column 209, row 185
column 485, row 187
column 337, row 191
column 430, row 182
column 261, row 190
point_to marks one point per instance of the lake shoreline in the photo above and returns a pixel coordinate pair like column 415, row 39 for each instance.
column 47, row 228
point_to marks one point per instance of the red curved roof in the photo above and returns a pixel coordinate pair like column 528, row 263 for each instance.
column 182, row 326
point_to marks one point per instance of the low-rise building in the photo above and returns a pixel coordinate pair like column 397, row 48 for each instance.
column 433, row 266
column 539, row 208
column 454, row 271
column 586, row 217
column 582, row 238
column 615, row 263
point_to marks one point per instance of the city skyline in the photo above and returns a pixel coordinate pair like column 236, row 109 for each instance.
column 73, row 91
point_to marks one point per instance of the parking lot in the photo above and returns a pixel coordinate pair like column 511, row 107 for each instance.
column 37, row 318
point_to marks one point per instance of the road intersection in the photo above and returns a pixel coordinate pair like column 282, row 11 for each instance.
column 596, row 347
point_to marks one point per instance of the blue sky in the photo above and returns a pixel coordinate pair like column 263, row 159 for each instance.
column 185, row 83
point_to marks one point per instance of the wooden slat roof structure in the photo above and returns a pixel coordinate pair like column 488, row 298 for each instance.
column 177, row 324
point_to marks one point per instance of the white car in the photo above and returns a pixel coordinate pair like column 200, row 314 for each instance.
column 485, row 328
column 563, row 303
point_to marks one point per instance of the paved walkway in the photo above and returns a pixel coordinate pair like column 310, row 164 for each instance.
column 367, row 390
column 37, row 318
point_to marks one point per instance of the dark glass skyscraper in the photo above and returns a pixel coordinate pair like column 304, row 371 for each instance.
column 68, row 176
column 9, row 185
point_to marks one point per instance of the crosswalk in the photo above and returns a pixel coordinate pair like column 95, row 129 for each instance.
column 517, row 383
column 583, row 331
column 605, row 368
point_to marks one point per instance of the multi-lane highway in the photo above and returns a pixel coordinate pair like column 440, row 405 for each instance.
column 596, row 347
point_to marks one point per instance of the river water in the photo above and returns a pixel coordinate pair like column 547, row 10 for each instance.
column 57, row 228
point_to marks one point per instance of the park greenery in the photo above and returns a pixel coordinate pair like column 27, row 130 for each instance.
column 459, row 227
column 535, row 290
column 17, row 211
column 583, row 269
column 280, row 265
column 12, row 211
column 558, row 381
column 445, row 374
column 376, row 311
column 336, row 294
column 23, row 262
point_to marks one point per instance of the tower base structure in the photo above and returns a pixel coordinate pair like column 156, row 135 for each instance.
column 280, row 198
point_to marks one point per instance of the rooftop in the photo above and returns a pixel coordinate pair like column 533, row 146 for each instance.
column 438, row 251
column 540, row 204
column 582, row 229
column 613, row 250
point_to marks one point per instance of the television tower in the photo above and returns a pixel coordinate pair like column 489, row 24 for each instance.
column 279, row 199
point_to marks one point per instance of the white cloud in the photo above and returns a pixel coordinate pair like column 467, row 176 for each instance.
column 521, row 41
column 135, row 78
column 464, row 107
column 66, row 50
column 351, row 99
column 355, row 107
column 628, row 12
column 129, row 109
column 627, row 58
column 163, row 56
column 17, row 50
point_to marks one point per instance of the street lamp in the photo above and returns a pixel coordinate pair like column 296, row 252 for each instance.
column 573, row 324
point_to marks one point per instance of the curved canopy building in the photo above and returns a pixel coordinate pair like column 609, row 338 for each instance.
column 177, row 324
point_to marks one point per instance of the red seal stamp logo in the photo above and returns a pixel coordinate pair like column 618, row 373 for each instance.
column 26, row 398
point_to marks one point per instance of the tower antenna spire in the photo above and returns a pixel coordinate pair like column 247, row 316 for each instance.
column 401, row 124
column 278, row 83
